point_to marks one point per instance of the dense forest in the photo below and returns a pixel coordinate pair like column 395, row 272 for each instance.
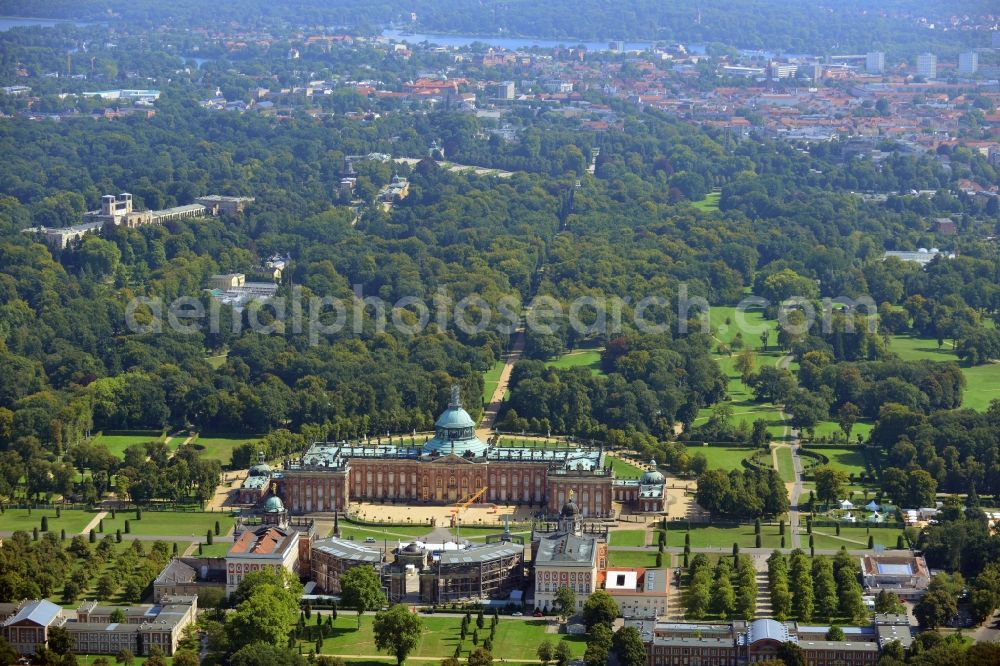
column 784, row 227
column 612, row 216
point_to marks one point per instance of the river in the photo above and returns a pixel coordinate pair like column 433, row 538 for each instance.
column 510, row 43
column 8, row 22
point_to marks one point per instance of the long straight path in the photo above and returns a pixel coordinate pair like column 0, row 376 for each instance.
column 794, row 487
column 496, row 400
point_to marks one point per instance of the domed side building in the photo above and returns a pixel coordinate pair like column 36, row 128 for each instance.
column 451, row 467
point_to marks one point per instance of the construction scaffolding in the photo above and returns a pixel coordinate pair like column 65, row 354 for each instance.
column 489, row 571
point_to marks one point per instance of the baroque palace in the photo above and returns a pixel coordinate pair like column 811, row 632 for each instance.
column 454, row 466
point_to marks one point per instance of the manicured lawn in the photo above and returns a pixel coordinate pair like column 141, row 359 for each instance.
column 849, row 461
column 628, row 538
column 579, row 358
column 982, row 381
column 218, row 549
column 853, row 537
column 479, row 534
column 741, row 400
column 481, row 538
column 982, row 386
column 517, row 639
column 727, row 320
column 722, row 457
column 220, row 447
column 390, row 532
column 786, row 470
column 117, row 441
column 913, row 348
column 490, row 380
column 828, row 428
column 709, row 203
column 13, row 520
column 709, row 536
column 96, row 568
column 623, row 468
column 634, row 558
column 747, row 411
column 171, row 523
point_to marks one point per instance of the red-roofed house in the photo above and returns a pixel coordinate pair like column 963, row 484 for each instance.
column 639, row 593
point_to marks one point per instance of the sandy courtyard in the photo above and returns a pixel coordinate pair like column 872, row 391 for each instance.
column 476, row 514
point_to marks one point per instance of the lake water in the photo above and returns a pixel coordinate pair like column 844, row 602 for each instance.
column 8, row 22
column 510, row 43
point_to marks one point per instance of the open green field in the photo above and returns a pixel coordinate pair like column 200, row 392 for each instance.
column 722, row 457
column 914, row 348
column 982, row 381
column 193, row 524
column 982, row 386
column 786, row 468
column 710, row 536
column 220, row 447
column 217, row 361
column 741, row 401
column 849, row 461
column 627, row 538
column 727, row 321
column 623, row 468
column 747, row 411
column 13, row 520
column 634, row 558
column 709, row 203
column 579, row 358
column 853, row 537
column 118, row 441
column 515, row 638
column 828, row 428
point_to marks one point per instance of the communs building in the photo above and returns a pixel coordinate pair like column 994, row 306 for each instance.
column 93, row 629
column 737, row 643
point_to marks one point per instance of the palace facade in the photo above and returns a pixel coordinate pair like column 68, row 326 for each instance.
column 456, row 466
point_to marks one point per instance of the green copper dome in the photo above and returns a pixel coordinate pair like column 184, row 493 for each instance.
column 273, row 505
column 455, row 431
column 455, row 417
column 653, row 476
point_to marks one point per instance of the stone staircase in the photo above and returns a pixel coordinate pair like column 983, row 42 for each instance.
column 763, row 596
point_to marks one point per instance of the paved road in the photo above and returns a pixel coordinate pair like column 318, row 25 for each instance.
column 749, row 551
column 989, row 630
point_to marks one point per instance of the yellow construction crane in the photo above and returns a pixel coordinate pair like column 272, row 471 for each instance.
column 464, row 504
